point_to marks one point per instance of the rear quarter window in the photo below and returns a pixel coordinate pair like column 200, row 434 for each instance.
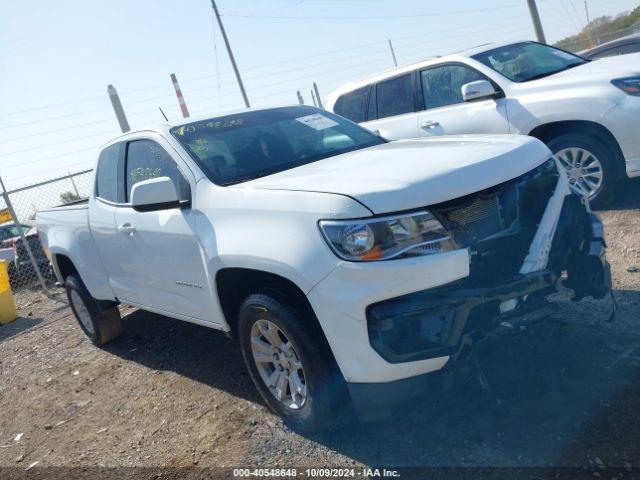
column 353, row 105
column 107, row 174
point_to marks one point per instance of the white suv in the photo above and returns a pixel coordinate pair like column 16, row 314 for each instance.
column 587, row 113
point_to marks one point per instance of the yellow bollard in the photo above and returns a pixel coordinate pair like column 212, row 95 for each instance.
column 7, row 307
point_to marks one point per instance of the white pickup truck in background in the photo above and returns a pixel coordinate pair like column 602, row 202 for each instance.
column 347, row 266
column 588, row 113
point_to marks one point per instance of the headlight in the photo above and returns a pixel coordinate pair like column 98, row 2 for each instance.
column 414, row 234
column 630, row 85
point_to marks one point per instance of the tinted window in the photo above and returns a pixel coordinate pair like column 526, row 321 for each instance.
column 147, row 160
column 630, row 48
column 442, row 86
column 522, row 62
column 248, row 145
column 8, row 232
column 395, row 96
column 353, row 105
column 107, row 174
column 609, row 52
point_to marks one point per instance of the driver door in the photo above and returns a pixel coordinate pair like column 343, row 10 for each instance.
column 161, row 256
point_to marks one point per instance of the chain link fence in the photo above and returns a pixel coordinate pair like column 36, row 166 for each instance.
column 30, row 273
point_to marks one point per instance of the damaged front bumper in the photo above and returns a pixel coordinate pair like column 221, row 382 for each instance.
column 442, row 321
column 451, row 320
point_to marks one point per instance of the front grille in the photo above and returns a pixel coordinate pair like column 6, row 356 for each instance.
column 498, row 224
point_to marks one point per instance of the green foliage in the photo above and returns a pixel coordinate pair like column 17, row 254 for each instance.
column 68, row 197
column 601, row 30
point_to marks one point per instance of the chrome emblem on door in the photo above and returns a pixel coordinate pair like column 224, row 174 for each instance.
column 188, row 284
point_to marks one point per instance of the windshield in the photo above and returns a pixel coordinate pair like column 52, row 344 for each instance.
column 522, row 62
column 8, row 232
column 248, row 145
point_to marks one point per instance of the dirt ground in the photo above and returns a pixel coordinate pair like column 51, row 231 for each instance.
column 172, row 394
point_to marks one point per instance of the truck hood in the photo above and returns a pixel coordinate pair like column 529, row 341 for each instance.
column 409, row 174
column 603, row 70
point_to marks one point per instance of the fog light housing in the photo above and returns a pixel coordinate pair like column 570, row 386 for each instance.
column 409, row 336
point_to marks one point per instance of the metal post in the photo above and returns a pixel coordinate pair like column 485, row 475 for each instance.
column 75, row 187
column 23, row 238
column 183, row 104
column 315, row 88
column 393, row 54
column 117, row 108
column 313, row 98
column 233, row 60
column 535, row 17
column 300, row 99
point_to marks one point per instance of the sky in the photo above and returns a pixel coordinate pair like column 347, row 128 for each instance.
column 57, row 58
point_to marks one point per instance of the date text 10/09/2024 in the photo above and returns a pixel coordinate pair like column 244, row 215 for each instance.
column 315, row 473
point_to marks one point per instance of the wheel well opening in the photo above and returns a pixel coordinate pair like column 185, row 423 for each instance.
column 234, row 285
column 65, row 266
column 549, row 131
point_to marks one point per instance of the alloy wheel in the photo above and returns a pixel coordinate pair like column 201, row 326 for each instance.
column 584, row 170
column 278, row 364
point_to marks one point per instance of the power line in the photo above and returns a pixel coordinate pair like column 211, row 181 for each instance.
column 385, row 17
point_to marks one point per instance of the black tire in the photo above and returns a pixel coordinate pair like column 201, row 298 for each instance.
column 612, row 164
column 103, row 323
column 327, row 398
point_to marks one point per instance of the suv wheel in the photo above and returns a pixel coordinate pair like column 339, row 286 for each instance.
column 593, row 170
column 293, row 371
column 100, row 321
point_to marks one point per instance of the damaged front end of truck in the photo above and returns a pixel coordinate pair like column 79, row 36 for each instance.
column 527, row 238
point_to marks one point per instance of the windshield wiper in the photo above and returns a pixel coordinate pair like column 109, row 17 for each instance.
column 548, row 74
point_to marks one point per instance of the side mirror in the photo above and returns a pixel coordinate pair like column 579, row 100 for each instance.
column 155, row 194
column 478, row 90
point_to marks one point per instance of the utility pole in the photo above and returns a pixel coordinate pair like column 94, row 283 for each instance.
column 183, row 104
column 535, row 17
column 315, row 89
column 393, row 54
column 231, row 57
column 117, row 108
column 586, row 9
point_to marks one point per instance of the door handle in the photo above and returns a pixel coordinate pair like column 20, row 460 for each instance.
column 429, row 124
column 126, row 229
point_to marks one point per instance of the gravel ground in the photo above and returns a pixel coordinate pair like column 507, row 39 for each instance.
column 170, row 394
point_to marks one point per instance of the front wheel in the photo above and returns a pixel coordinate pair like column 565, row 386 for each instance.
column 292, row 368
column 593, row 170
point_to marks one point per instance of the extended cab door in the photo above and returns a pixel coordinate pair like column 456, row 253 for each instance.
column 102, row 211
column 443, row 110
column 161, row 259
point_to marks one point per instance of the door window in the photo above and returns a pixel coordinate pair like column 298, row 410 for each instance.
column 609, row 52
column 395, row 96
column 107, row 174
column 353, row 105
column 630, row 48
column 442, row 86
column 147, row 160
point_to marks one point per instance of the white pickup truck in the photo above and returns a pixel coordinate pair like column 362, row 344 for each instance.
column 347, row 266
column 588, row 113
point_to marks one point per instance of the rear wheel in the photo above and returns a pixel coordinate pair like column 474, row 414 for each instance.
column 292, row 369
column 100, row 321
column 593, row 170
